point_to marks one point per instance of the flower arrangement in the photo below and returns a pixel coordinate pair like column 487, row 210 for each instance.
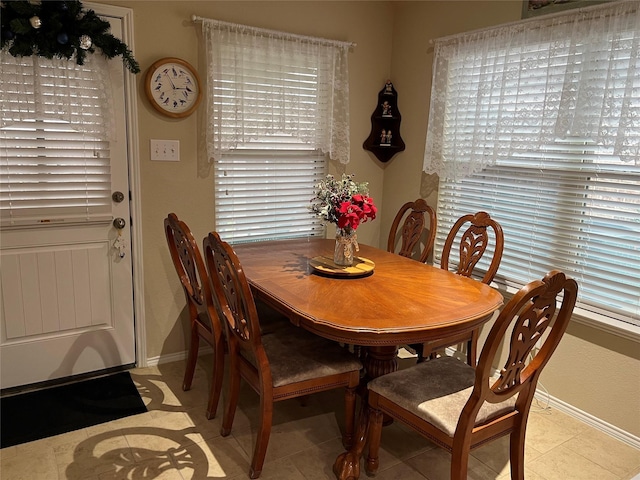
column 343, row 202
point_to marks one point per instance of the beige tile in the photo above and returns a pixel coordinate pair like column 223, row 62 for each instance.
column 435, row 464
column 284, row 440
column 495, row 455
column 316, row 462
column 93, row 456
column 207, row 428
column 168, row 432
column 546, row 433
column 280, row 469
column 160, row 468
column 528, row 475
column 318, row 428
column 401, row 471
column 24, row 467
column 559, row 419
column 216, row 458
column 8, row 452
column 609, row 453
column 564, row 464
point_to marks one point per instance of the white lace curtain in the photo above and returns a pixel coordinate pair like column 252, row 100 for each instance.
column 262, row 82
column 518, row 87
column 53, row 89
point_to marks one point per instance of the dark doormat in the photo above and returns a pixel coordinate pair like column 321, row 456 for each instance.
column 44, row 413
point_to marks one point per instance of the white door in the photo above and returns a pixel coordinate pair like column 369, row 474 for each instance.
column 66, row 292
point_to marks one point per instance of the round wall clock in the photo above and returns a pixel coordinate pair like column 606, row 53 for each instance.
column 173, row 87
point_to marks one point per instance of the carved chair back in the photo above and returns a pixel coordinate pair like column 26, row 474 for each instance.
column 473, row 244
column 410, row 223
column 188, row 263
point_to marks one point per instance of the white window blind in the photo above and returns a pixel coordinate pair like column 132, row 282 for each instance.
column 569, row 206
column 264, row 193
column 54, row 151
column 52, row 174
column 542, row 132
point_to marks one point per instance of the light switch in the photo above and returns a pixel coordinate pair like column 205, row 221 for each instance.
column 165, row 150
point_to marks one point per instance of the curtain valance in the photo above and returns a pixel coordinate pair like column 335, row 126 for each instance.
column 527, row 85
column 263, row 82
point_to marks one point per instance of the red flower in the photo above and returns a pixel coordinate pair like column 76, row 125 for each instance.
column 350, row 215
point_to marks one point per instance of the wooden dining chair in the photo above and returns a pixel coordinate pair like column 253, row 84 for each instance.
column 460, row 408
column 472, row 234
column 287, row 363
column 204, row 321
column 409, row 225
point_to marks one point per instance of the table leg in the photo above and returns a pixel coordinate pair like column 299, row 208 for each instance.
column 377, row 361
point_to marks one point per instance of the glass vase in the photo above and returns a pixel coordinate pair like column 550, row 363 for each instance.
column 346, row 244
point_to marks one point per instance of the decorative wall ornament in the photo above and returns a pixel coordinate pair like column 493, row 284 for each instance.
column 61, row 29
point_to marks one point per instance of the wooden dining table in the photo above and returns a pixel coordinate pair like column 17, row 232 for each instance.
column 394, row 301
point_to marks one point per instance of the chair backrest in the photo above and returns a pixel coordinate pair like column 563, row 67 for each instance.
column 413, row 229
column 188, row 263
column 473, row 244
column 527, row 316
column 234, row 299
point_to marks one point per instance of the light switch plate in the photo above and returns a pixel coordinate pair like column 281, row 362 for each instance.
column 165, row 150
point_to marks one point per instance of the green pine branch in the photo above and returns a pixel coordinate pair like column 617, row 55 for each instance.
column 63, row 25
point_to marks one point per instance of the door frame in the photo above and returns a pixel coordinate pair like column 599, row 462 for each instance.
column 133, row 157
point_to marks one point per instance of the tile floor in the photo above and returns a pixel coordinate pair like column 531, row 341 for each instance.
column 174, row 441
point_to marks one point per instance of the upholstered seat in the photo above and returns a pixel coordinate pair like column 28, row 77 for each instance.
column 296, row 355
column 440, row 400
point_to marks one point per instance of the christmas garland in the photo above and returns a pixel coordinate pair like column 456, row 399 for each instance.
column 58, row 29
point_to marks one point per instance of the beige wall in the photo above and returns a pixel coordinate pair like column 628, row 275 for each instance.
column 164, row 29
column 596, row 372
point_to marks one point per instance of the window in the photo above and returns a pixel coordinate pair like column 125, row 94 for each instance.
column 54, row 148
column 538, row 124
column 277, row 110
column 264, row 194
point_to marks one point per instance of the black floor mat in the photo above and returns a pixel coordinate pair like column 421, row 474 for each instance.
column 44, row 413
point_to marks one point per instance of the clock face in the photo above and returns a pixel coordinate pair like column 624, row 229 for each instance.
column 173, row 87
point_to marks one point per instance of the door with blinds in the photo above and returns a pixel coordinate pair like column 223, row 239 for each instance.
column 65, row 257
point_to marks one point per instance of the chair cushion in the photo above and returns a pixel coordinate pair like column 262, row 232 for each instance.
column 296, row 355
column 437, row 391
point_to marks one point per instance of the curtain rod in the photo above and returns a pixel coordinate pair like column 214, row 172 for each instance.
column 567, row 13
column 323, row 41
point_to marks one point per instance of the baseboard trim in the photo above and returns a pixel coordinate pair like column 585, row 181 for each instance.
column 176, row 357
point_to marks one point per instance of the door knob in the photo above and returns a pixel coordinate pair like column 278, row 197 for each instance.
column 119, row 223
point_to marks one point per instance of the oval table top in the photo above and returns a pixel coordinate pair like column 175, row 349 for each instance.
column 402, row 301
